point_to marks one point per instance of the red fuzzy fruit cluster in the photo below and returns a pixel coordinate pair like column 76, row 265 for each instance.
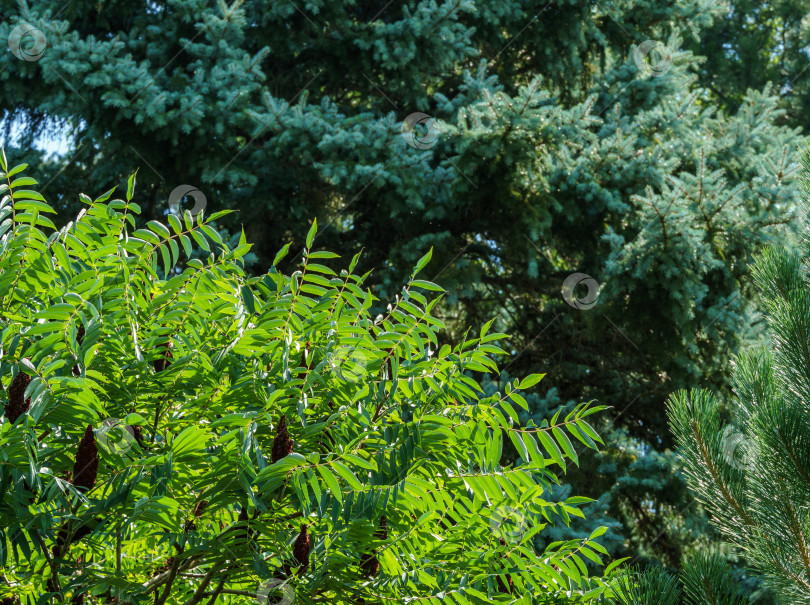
column 282, row 444
column 17, row 404
column 86, row 467
column 301, row 550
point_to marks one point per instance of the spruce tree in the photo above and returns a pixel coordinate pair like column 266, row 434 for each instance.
column 757, row 43
column 749, row 461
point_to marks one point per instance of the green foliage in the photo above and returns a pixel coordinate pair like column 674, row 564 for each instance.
column 754, row 44
column 752, row 470
column 705, row 578
column 556, row 153
column 653, row 586
column 188, row 435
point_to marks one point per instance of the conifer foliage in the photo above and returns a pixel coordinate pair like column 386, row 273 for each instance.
column 704, row 578
column 752, row 470
column 228, row 490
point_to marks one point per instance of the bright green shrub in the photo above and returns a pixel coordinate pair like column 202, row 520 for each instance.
column 210, row 417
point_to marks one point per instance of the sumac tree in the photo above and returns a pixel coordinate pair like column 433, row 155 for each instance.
column 177, row 432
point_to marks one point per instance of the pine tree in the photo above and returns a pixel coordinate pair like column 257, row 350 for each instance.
column 751, row 468
column 703, row 579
